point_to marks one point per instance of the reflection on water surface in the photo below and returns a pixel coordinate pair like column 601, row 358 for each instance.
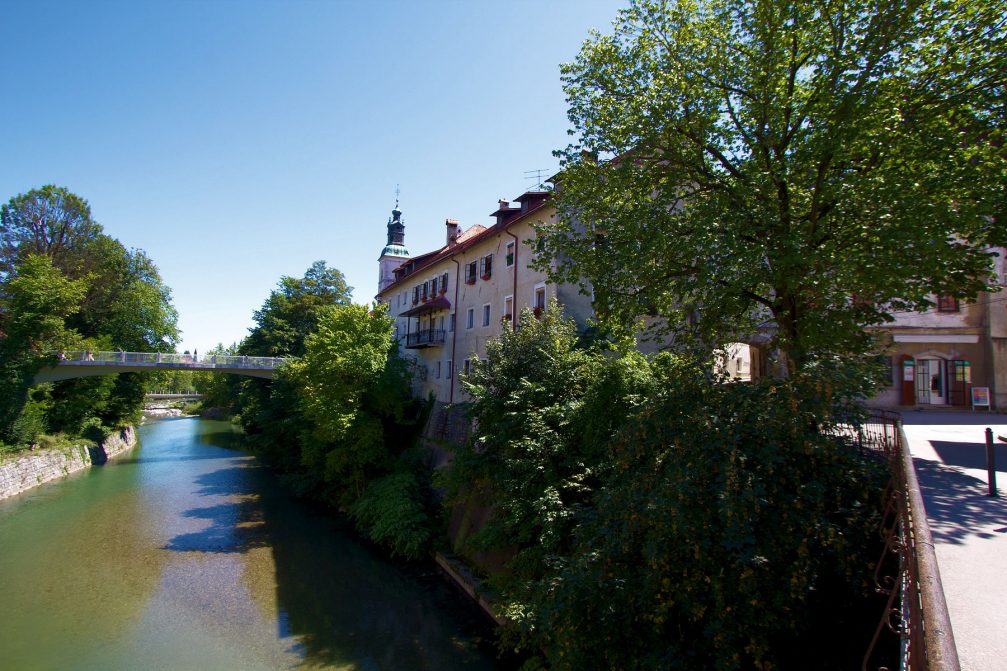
column 185, row 554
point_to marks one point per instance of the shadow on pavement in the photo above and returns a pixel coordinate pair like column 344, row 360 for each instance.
column 954, row 418
column 970, row 455
column 957, row 505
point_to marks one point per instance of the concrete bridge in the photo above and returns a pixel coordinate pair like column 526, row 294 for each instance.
column 88, row 364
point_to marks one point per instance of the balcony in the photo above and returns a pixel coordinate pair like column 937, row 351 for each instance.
column 426, row 338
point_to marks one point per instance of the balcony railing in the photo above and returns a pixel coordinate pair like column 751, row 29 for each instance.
column 427, row 338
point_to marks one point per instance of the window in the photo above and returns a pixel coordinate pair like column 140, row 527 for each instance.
column 486, row 267
column 468, row 366
column 444, row 283
column 433, row 287
column 470, row 317
column 447, row 373
column 947, row 304
column 437, row 369
column 451, row 323
column 423, row 297
column 508, row 308
column 539, row 302
column 470, row 273
column 486, row 315
column 510, row 254
column 416, row 295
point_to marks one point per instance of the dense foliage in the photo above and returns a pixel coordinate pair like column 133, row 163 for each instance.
column 659, row 518
column 37, row 300
column 810, row 165
column 339, row 423
column 118, row 302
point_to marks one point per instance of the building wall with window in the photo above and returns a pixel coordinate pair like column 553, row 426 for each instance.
column 936, row 358
column 448, row 303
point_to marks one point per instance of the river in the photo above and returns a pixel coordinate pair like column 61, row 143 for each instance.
column 186, row 554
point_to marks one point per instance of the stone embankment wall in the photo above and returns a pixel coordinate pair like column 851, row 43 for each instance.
column 36, row 467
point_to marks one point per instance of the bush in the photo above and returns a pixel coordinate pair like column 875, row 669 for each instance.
column 726, row 519
column 391, row 512
column 31, row 422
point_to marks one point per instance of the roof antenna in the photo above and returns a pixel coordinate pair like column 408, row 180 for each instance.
column 537, row 176
column 396, row 196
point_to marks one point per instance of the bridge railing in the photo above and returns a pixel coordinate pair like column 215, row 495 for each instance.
column 86, row 357
column 907, row 572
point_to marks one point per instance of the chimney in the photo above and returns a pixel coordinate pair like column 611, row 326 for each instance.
column 504, row 211
column 453, row 231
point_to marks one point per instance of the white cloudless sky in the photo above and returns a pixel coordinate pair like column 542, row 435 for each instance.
column 239, row 141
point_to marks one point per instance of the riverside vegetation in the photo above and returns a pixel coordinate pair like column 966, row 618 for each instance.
column 656, row 516
column 66, row 285
column 736, row 164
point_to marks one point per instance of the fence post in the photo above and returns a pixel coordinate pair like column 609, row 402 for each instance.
column 991, row 463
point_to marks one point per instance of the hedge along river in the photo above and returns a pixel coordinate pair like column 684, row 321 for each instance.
column 186, row 554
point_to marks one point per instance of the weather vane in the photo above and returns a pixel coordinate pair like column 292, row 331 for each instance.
column 396, row 196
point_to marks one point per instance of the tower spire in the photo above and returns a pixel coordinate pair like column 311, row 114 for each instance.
column 395, row 252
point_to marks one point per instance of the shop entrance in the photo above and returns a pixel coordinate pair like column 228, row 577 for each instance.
column 930, row 382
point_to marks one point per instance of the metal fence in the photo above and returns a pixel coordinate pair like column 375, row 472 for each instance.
column 84, row 357
column 907, row 571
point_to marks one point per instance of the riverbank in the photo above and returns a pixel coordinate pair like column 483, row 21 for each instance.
column 190, row 554
column 37, row 467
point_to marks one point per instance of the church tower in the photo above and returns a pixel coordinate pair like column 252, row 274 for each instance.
column 395, row 252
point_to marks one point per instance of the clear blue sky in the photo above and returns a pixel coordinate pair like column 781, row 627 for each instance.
column 239, row 141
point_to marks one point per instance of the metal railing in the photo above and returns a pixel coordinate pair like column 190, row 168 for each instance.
column 907, row 571
column 427, row 337
column 87, row 357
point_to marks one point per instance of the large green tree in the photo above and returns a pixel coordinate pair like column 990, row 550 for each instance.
column 36, row 300
column 50, row 221
column 291, row 311
column 126, row 304
column 810, row 167
column 656, row 518
column 267, row 410
column 354, row 392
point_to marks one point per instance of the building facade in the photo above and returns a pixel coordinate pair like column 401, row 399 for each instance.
column 938, row 357
column 449, row 302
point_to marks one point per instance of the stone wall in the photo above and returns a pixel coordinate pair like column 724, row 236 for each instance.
column 36, row 467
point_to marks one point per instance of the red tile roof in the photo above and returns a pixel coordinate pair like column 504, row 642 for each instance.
column 469, row 238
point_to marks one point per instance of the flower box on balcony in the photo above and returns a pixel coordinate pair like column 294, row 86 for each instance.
column 486, row 276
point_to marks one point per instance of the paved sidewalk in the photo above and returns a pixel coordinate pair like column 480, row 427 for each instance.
column 969, row 528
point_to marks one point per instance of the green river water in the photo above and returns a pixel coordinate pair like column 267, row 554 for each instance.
column 185, row 554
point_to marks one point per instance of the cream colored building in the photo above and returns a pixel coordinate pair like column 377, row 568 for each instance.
column 938, row 357
column 449, row 302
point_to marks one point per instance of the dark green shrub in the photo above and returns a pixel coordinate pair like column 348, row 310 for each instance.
column 391, row 512
column 726, row 514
